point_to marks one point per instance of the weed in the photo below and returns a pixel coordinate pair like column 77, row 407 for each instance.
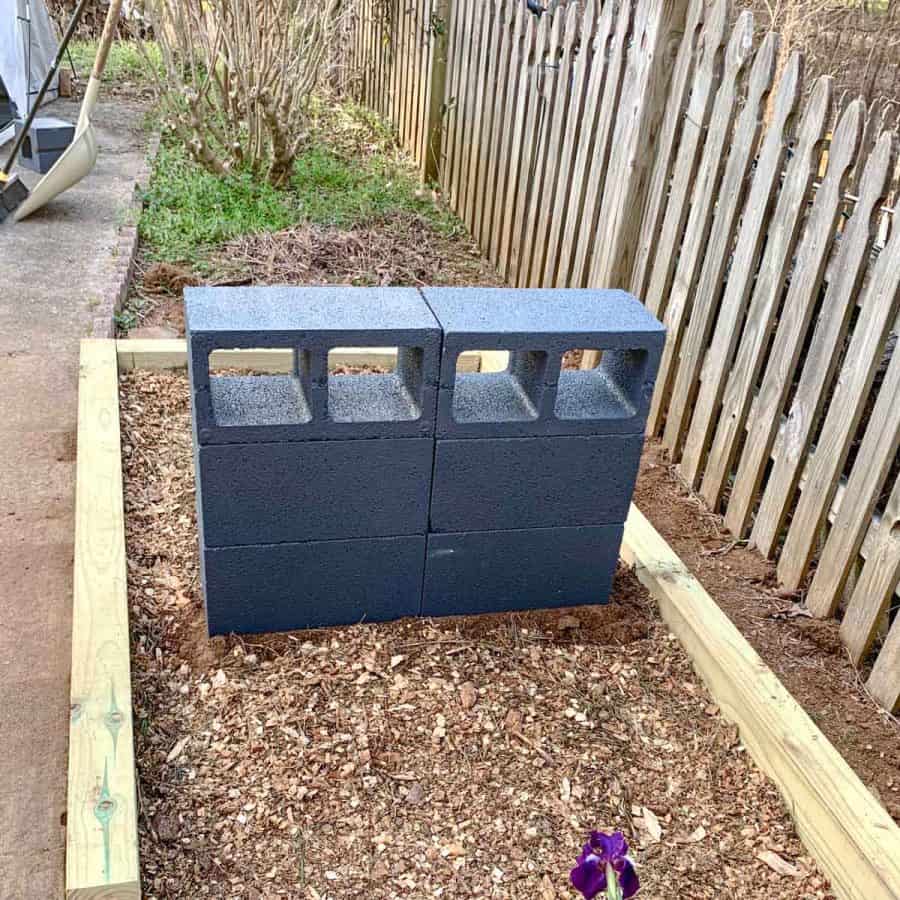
column 126, row 319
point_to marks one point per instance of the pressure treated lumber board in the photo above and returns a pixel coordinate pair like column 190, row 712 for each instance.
column 101, row 822
column 172, row 354
column 846, row 830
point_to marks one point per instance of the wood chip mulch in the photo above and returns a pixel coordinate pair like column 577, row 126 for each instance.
column 459, row 757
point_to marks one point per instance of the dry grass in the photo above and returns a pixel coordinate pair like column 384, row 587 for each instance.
column 447, row 758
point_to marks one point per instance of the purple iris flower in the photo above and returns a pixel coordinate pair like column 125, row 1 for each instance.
column 603, row 850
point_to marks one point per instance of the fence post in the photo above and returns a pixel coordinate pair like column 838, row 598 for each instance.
column 659, row 27
column 436, row 87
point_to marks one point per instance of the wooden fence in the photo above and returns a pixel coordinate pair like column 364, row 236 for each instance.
column 652, row 145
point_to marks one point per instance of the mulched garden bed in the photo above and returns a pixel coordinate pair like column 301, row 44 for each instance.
column 807, row 654
column 460, row 757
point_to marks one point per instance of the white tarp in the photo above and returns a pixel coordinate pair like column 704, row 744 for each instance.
column 27, row 41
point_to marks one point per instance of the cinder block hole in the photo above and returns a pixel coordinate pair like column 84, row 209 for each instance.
column 507, row 389
column 610, row 390
column 260, row 386
column 386, row 388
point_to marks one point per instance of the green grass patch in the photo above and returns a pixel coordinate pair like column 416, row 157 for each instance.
column 189, row 210
column 126, row 62
column 350, row 175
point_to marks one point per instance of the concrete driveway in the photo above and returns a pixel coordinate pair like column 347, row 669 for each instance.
column 57, row 272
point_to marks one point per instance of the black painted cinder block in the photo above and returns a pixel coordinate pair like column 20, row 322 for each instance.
column 535, row 396
column 46, row 142
column 501, row 483
column 309, row 404
column 281, row 587
column 314, row 491
column 495, row 571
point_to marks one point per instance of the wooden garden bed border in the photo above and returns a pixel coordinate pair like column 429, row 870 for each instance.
column 844, row 828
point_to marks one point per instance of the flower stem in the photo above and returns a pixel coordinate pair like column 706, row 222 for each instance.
column 613, row 891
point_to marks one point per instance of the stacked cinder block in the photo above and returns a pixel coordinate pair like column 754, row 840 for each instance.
column 46, row 142
column 535, row 466
column 313, row 488
column 432, row 490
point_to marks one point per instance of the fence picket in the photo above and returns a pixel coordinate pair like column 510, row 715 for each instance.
column 402, row 63
column 781, row 240
column 528, row 145
column 881, row 302
column 562, row 132
column 700, row 199
column 876, row 454
column 682, row 373
column 602, row 55
column 416, row 66
column 637, row 123
column 884, row 681
column 565, row 192
column 871, row 131
column 693, row 131
column 593, row 167
column 876, row 584
column 432, row 41
column 818, row 238
column 712, row 370
column 461, row 102
column 657, row 194
column 413, row 69
column 493, row 108
column 369, row 51
column 793, row 442
column 480, row 86
column 420, row 61
column 378, row 23
column 562, row 30
column 503, row 136
column 395, row 67
column 514, row 157
column 455, row 60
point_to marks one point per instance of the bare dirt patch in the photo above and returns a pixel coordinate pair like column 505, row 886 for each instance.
column 454, row 758
column 805, row 653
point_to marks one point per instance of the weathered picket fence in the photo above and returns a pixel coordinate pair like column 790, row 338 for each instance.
column 655, row 145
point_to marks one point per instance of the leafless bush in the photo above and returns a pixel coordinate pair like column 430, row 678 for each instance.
column 238, row 76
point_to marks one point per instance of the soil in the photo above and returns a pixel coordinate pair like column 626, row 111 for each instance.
column 402, row 249
column 805, row 653
column 463, row 757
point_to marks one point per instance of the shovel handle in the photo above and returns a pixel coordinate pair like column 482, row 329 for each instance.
column 106, row 39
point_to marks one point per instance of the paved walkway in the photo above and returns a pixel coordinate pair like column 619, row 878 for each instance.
column 54, row 268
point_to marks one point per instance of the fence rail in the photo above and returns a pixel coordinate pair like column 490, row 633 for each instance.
column 655, row 146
